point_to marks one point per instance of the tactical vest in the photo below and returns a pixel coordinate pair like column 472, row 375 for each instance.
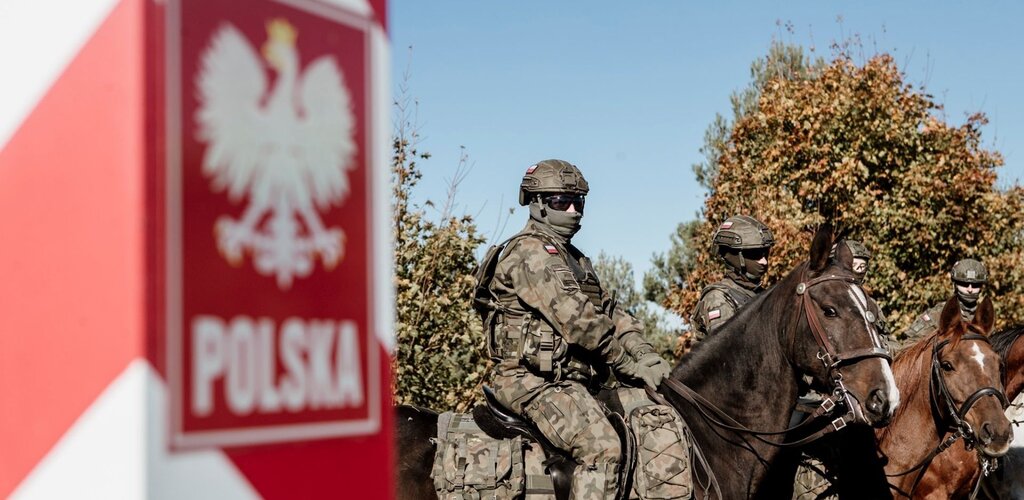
column 734, row 296
column 516, row 333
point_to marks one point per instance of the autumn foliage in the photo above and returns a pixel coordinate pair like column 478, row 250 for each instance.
column 857, row 145
column 439, row 360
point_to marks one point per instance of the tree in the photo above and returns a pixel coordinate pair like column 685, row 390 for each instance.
column 857, row 146
column 616, row 277
column 671, row 269
column 440, row 361
column 783, row 61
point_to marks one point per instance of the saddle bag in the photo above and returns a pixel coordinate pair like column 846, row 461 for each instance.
column 470, row 465
column 663, row 469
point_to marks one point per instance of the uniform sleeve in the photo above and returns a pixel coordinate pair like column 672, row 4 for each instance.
column 544, row 282
column 924, row 323
column 629, row 332
column 716, row 310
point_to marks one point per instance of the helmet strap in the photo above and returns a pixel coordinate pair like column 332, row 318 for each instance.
column 543, row 210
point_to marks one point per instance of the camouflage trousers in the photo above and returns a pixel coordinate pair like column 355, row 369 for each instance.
column 571, row 419
column 810, row 484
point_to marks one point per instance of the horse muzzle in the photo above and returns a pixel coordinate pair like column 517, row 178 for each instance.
column 993, row 440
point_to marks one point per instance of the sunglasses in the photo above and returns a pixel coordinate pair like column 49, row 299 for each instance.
column 562, row 202
column 968, row 285
column 755, row 254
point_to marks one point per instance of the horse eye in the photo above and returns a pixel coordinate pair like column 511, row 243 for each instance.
column 830, row 311
column 946, row 365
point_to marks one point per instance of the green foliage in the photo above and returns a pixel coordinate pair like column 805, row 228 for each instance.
column 669, row 270
column 616, row 277
column 783, row 61
column 439, row 361
column 856, row 145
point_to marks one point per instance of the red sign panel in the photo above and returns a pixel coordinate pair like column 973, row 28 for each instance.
column 270, row 252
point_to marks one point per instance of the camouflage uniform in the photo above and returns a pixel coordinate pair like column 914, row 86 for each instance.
column 552, row 329
column 964, row 271
column 719, row 301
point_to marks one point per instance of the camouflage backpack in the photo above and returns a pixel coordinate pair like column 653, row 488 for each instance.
column 469, row 464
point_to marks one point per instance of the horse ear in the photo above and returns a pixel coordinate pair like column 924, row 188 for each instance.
column 820, row 247
column 844, row 256
column 950, row 315
column 985, row 317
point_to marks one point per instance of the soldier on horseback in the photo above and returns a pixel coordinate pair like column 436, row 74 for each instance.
column 968, row 277
column 743, row 243
column 552, row 330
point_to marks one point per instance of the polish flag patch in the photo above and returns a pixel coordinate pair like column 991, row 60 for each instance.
column 714, row 314
column 726, row 225
column 551, row 249
column 926, row 317
column 531, row 169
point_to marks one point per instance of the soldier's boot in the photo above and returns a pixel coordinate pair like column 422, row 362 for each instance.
column 594, row 482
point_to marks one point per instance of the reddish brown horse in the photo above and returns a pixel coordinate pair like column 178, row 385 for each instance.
column 952, row 392
column 959, row 464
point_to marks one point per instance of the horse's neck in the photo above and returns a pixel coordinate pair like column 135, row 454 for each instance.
column 1014, row 365
column 914, row 431
column 743, row 372
column 742, row 375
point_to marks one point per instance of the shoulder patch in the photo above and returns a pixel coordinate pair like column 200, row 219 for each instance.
column 551, row 249
column 714, row 314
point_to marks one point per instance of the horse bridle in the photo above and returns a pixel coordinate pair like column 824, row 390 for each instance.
column 960, row 427
column 833, row 360
column 828, row 355
column 940, row 391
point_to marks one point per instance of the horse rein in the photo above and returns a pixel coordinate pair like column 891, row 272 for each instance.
column 960, row 427
column 829, row 357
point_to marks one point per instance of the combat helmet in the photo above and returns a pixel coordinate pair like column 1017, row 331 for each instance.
column 969, row 271
column 857, row 251
column 741, row 232
column 552, row 176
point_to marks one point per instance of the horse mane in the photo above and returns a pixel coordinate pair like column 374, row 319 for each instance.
column 1002, row 341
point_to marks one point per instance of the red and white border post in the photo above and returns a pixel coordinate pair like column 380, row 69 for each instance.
column 195, row 281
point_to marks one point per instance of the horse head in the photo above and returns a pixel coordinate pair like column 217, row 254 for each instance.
column 835, row 337
column 967, row 385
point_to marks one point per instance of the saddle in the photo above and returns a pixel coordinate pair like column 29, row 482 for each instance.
column 499, row 422
column 494, row 453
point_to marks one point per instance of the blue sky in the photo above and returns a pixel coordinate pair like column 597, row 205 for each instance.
column 625, row 90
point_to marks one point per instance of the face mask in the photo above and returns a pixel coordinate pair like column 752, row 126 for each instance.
column 748, row 268
column 755, row 270
column 565, row 224
column 968, row 299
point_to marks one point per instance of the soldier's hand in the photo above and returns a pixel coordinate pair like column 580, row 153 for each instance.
column 652, row 368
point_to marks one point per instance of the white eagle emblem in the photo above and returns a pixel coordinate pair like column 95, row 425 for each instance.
column 286, row 148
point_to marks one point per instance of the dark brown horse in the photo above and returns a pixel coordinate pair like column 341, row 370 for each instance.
column 814, row 322
column 952, row 393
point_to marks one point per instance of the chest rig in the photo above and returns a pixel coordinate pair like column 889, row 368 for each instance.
column 514, row 331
